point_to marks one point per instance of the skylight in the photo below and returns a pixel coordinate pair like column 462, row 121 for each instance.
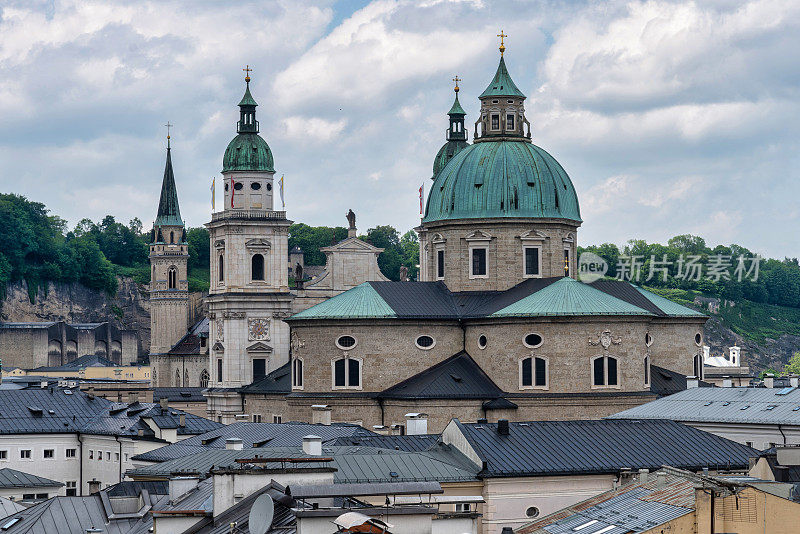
column 583, row 526
column 745, row 407
column 610, row 527
column 709, row 403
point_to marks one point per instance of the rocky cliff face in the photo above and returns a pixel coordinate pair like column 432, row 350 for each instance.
column 775, row 353
column 129, row 309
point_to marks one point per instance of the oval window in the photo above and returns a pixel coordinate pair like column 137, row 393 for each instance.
column 533, row 340
column 648, row 339
column 255, row 186
column 269, row 187
column 698, row 338
column 226, row 187
column 532, row 511
column 346, row 342
column 238, row 186
column 482, row 341
column 425, row 342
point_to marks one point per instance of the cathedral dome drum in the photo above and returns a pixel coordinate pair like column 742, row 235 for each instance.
column 248, row 152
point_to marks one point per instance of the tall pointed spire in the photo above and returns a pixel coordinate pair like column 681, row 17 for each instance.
column 169, row 214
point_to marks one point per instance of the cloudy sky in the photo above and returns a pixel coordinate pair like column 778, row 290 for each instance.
column 670, row 117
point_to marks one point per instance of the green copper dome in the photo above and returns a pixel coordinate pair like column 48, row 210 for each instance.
column 446, row 153
column 248, row 152
column 502, row 179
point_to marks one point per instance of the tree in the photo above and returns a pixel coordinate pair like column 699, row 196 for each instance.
column 793, row 367
column 199, row 248
column 409, row 248
column 391, row 258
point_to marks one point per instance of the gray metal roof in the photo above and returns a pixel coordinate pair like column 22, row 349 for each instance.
column 172, row 394
column 253, row 435
column 56, row 410
column 11, row 478
column 352, row 464
column 605, row 446
column 9, row 507
column 418, row 442
column 723, row 405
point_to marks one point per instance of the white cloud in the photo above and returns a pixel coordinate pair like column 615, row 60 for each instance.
column 312, row 128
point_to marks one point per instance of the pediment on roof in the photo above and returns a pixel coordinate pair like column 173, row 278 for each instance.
column 258, row 243
column 218, row 347
column 479, row 235
column 259, row 347
column 533, row 235
column 352, row 244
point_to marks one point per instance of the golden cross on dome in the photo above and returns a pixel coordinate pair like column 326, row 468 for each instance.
column 502, row 36
column 168, row 125
column 247, row 71
column 456, row 79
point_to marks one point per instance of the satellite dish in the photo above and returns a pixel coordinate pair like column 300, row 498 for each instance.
column 261, row 515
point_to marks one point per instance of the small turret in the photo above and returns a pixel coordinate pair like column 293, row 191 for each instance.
column 456, row 134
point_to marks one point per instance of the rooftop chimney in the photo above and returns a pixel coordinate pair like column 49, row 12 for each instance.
column 182, row 420
column 43, row 384
column 482, row 421
column 233, row 444
column 692, row 382
column 794, row 381
column 661, row 479
column 312, row 445
column 320, row 414
column 164, row 402
column 416, row 423
column 727, row 382
column 94, row 486
column 769, row 380
column 507, row 530
column 180, row 486
column 644, row 476
column 502, row 427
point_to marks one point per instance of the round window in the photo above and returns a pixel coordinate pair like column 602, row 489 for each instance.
column 425, row 342
column 482, row 341
column 346, row 342
column 533, row 340
column 648, row 339
column 238, row 186
column 698, row 338
column 532, row 511
column 255, row 186
column 269, row 187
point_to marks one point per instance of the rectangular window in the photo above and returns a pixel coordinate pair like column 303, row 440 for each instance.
column 612, row 371
column 527, row 372
column 531, row 261
column 541, row 372
column 646, row 370
column 116, row 457
column 49, row 453
column 440, row 264
column 28, row 496
column 509, row 122
column 219, row 369
column 599, row 372
column 3, row 455
column 259, row 368
column 463, row 507
column 72, row 488
column 478, row 262
column 277, row 419
column 91, row 454
column 353, row 372
column 25, row 454
column 495, row 122
column 338, row 372
column 297, row 376
column 42, row 496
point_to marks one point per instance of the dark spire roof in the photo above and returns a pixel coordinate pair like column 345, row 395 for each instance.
column 168, row 211
column 502, row 84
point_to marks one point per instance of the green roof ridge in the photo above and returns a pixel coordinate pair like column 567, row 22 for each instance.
column 360, row 302
column 502, row 84
column 569, row 297
column 672, row 309
column 169, row 213
column 456, row 109
column 247, row 99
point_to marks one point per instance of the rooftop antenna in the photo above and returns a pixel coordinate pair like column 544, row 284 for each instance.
column 261, row 514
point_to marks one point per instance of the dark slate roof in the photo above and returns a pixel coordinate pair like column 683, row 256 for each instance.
column 283, row 519
column 11, row 478
column 456, row 377
column 664, row 382
column 132, row 488
column 186, row 394
column 56, row 410
column 594, row 447
column 533, row 297
column 419, row 442
column 169, row 213
column 252, row 435
column 190, row 344
column 278, row 381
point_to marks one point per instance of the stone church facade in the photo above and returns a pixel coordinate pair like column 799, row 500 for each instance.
column 498, row 325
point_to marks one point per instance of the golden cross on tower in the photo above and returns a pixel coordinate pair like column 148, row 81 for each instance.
column 168, row 125
column 456, row 79
column 247, row 71
column 502, row 36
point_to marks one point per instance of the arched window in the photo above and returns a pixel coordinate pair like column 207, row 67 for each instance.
column 297, row 373
column 647, row 370
column 698, row 366
column 257, row 267
column 604, row 372
column 533, row 372
column 177, row 379
column 347, row 373
column 172, row 276
column 171, row 237
column 204, row 379
column 154, row 376
column 186, row 378
column 221, row 269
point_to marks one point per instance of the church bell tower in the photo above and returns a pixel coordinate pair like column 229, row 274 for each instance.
column 169, row 286
column 249, row 293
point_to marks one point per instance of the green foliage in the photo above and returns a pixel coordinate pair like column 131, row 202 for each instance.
column 199, row 279
column 199, row 248
column 768, row 371
column 793, row 367
column 312, row 238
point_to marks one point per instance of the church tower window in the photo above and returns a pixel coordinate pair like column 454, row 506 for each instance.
column 257, row 267
column 604, row 372
column 259, row 368
column 440, row 264
column 347, row 373
column 221, row 268
column 219, row 369
column 495, row 121
column 297, row 373
column 171, row 238
column 478, row 262
column 172, row 277
column 509, row 122
column 533, row 372
column 204, row 379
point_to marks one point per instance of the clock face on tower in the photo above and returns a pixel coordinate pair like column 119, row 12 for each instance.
column 258, row 329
